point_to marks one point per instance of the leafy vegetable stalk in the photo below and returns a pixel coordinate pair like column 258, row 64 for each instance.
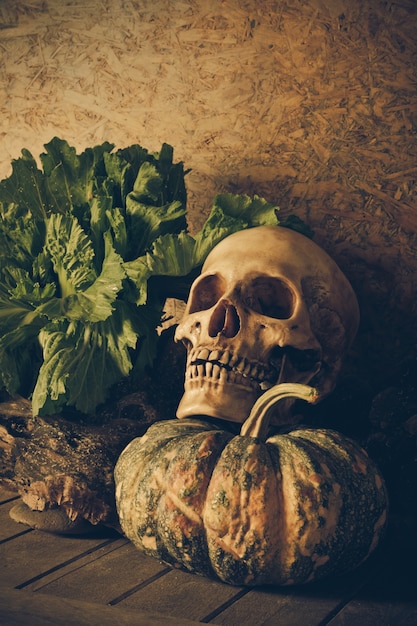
column 80, row 240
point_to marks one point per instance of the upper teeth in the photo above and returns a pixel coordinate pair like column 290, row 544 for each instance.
column 228, row 367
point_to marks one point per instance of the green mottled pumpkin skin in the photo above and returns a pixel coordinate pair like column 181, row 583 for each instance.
column 291, row 510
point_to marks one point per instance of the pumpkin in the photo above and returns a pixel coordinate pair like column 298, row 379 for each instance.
column 290, row 509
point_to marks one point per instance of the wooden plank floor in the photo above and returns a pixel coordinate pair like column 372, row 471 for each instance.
column 103, row 579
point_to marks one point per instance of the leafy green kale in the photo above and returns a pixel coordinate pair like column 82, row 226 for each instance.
column 81, row 239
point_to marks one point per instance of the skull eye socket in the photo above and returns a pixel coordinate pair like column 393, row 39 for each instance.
column 270, row 297
column 206, row 293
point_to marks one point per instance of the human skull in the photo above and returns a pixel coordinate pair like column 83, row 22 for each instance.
column 269, row 306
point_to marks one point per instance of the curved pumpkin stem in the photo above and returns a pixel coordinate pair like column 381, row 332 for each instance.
column 257, row 423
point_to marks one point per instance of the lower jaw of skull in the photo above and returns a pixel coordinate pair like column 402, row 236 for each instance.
column 220, row 386
column 229, row 395
column 204, row 396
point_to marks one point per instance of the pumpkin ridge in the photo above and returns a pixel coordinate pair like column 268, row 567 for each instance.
column 237, row 525
column 350, row 536
column 309, row 494
column 186, row 478
column 150, row 455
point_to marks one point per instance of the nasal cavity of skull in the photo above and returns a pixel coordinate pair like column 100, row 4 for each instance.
column 224, row 320
column 269, row 296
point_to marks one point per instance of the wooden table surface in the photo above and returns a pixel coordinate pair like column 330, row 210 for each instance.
column 103, row 579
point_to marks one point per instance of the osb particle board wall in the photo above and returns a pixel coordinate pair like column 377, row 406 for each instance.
column 309, row 103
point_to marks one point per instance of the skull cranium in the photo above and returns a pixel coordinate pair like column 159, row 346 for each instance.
column 269, row 306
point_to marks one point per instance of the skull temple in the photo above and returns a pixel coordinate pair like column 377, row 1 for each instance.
column 270, row 306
